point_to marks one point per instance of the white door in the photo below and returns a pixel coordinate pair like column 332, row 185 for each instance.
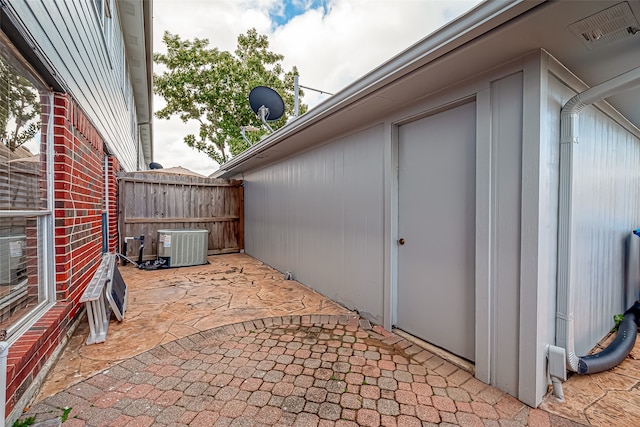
column 436, row 229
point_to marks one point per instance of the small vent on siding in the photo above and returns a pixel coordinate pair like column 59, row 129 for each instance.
column 609, row 26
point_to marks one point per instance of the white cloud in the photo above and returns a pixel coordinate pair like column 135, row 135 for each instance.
column 330, row 50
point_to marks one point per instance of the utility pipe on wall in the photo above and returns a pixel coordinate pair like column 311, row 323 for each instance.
column 4, row 352
column 569, row 129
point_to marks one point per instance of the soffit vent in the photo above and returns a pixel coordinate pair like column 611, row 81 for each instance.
column 611, row 25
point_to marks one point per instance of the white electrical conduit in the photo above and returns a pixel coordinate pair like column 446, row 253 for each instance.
column 4, row 352
column 569, row 126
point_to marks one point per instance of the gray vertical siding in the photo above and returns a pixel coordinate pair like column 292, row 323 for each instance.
column 506, row 174
column 606, row 210
column 548, row 213
column 88, row 63
column 320, row 216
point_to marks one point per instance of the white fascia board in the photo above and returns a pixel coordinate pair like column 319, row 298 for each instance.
column 137, row 24
column 480, row 20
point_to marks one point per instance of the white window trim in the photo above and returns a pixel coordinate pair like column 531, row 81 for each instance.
column 46, row 263
column 104, row 15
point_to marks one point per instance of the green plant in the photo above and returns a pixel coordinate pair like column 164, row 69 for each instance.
column 617, row 318
column 25, row 422
column 65, row 413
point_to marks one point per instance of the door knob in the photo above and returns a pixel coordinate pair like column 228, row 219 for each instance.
column 401, row 242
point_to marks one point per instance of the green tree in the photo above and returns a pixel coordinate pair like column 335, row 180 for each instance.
column 212, row 87
column 19, row 108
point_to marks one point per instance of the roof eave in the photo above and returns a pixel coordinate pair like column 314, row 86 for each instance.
column 137, row 27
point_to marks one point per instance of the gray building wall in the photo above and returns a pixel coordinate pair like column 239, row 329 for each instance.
column 505, row 212
column 88, row 56
column 320, row 216
column 606, row 209
column 328, row 215
column 540, row 278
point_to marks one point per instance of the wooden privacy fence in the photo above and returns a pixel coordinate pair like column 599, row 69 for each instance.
column 148, row 202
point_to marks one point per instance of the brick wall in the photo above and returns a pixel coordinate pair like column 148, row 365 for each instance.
column 78, row 194
column 78, row 205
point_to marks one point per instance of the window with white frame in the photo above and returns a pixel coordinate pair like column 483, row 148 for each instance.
column 99, row 7
column 104, row 14
column 108, row 26
column 127, row 87
column 26, row 225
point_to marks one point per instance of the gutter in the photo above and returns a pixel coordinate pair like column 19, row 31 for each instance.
column 147, row 7
column 480, row 20
column 569, row 137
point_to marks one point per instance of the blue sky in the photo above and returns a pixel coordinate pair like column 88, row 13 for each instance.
column 292, row 8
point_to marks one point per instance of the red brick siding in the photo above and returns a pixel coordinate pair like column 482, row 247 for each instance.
column 78, row 195
column 78, row 206
column 28, row 355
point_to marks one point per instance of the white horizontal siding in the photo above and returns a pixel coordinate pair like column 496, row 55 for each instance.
column 72, row 38
column 320, row 216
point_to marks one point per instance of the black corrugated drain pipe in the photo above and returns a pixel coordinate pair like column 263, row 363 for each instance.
column 619, row 348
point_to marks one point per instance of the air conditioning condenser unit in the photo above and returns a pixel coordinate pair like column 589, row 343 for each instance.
column 181, row 248
column 13, row 259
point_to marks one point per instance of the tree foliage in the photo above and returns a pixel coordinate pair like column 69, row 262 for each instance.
column 212, row 87
column 19, row 108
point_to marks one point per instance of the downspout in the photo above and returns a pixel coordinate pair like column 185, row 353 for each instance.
column 569, row 130
column 4, row 352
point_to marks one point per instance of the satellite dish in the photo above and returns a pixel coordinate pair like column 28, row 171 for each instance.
column 267, row 104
